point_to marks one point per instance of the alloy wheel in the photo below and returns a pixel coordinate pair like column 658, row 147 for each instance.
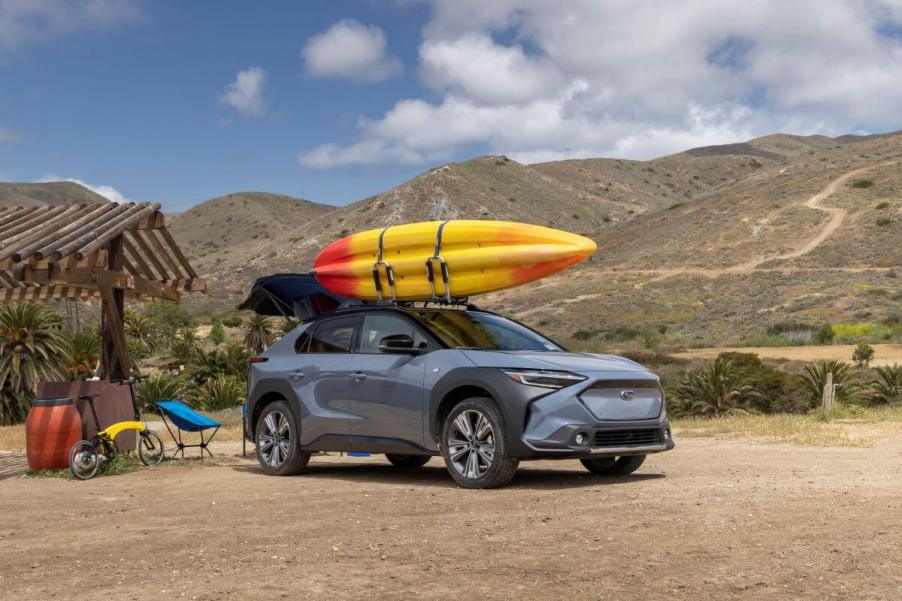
column 273, row 441
column 471, row 444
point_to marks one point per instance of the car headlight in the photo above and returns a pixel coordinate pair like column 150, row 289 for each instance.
column 544, row 378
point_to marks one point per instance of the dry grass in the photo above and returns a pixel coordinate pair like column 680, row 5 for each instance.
column 885, row 354
column 12, row 437
column 847, row 427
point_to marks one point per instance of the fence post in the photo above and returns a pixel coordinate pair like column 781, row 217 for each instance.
column 828, row 394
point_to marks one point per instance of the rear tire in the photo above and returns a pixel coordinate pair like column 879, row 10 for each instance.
column 84, row 460
column 474, row 444
column 613, row 466
column 408, row 461
column 279, row 441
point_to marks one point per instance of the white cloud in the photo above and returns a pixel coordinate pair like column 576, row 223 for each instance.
column 25, row 22
column 108, row 192
column 245, row 94
column 350, row 50
column 487, row 72
column 637, row 79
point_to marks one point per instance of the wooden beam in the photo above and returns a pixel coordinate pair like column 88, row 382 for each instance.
column 147, row 272
column 145, row 248
column 174, row 247
column 119, row 281
column 173, row 267
column 115, row 362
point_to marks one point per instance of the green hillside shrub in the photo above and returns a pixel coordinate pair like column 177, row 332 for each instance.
column 863, row 355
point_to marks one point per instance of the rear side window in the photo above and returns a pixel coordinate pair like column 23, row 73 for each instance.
column 333, row 336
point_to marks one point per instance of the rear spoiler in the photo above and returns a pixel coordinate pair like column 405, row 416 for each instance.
column 296, row 295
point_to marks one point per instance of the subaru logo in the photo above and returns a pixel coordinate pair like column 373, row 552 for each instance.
column 627, row 395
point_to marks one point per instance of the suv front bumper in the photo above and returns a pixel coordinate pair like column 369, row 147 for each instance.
column 592, row 420
column 604, row 440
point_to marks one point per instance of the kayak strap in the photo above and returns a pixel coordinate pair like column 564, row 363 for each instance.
column 381, row 265
column 443, row 266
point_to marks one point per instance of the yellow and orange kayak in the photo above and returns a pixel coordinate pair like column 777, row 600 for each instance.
column 478, row 256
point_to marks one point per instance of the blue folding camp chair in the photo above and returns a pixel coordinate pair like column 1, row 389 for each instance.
column 186, row 419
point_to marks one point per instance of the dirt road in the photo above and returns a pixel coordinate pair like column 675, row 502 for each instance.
column 711, row 520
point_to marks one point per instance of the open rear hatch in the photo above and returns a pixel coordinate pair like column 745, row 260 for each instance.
column 290, row 295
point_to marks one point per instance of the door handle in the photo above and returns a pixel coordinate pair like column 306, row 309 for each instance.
column 358, row 376
column 296, row 375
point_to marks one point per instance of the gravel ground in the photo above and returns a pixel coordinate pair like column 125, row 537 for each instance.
column 710, row 520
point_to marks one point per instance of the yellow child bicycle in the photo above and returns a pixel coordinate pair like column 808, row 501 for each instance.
column 86, row 456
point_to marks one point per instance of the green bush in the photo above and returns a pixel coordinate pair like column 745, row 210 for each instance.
column 84, row 353
column 153, row 328
column 777, row 391
column 863, row 184
column 887, row 389
column 159, row 387
column 33, row 348
column 231, row 321
column 258, row 333
column 814, row 379
column 863, row 355
column 230, row 360
column 882, row 205
column 824, row 334
column 884, row 221
column 713, row 389
column 221, row 392
column 217, row 333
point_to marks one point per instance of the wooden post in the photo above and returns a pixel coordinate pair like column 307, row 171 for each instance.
column 828, row 394
column 114, row 359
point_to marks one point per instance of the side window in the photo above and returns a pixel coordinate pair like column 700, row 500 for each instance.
column 333, row 336
column 378, row 326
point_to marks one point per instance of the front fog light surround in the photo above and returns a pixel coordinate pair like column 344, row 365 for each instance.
column 544, row 378
column 582, row 439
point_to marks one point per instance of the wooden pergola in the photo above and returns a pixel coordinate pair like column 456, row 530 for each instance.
column 107, row 251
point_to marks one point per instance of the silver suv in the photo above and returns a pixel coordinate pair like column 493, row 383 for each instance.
column 477, row 388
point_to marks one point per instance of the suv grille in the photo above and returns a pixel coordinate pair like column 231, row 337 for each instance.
column 625, row 438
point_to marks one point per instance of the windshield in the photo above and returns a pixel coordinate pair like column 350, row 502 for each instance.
column 484, row 331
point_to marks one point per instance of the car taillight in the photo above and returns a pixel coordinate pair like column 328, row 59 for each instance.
column 258, row 360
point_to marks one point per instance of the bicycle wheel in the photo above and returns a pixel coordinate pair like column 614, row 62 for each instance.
column 150, row 448
column 84, row 460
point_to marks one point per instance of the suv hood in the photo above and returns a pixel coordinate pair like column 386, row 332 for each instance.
column 578, row 362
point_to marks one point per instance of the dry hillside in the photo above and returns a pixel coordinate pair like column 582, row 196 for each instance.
column 52, row 193
column 490, row 187
column 713, row 245
column 231, row 221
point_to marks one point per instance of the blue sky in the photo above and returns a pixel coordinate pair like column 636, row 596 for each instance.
column 336, row 100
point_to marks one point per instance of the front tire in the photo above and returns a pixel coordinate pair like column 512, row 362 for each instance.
column 474, row 444
column 613, row 466
column 150, row 448
column 279, row 442
column 407, row 461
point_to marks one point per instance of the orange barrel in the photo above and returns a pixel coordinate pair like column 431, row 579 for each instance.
column 53, row 426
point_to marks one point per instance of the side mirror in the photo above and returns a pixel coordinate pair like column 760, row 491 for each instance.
column 398, row 344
